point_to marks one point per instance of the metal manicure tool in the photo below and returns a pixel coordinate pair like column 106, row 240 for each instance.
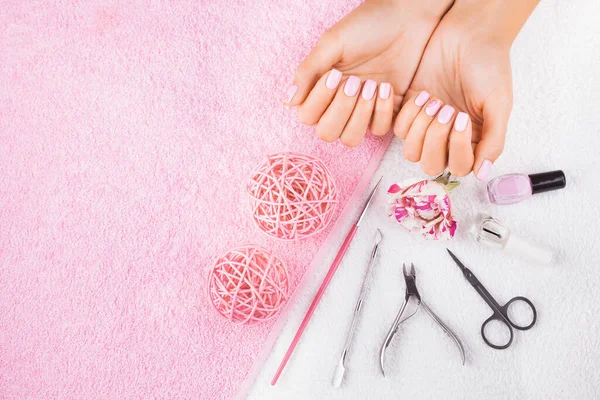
column 334, row 266
column 501, row 313
column 412, row 292
column 340, row 370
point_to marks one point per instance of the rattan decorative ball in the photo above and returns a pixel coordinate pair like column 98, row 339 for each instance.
column 248, row 285
column 293, row 196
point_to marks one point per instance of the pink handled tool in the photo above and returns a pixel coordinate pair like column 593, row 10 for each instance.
column 321, row 291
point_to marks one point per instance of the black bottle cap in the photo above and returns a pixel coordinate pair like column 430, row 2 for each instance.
column 547, row 181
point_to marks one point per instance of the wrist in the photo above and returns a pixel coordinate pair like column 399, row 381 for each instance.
column 498, row 21
column 429, row 9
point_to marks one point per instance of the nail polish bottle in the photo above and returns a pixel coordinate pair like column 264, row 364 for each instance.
column 493, row 233
column 512, row 188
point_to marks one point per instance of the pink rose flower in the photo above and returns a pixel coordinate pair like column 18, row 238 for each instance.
column 423, row 207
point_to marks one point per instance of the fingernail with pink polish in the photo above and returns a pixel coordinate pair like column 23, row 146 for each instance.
column 384, row 91
column 369, row 89
column 290, row 94
column 484, row 170
column 462, row 119
column 333, row 80
column 352, row 85
column 433, row 107
column 422, row 98
column 446, row 114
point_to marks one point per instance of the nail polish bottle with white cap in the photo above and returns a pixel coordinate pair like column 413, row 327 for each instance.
column 492, row 232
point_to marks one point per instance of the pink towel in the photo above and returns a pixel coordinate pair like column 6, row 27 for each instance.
column 128, row 130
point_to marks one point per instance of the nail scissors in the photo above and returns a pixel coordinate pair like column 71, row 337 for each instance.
column 413, row 293
column 500, row 312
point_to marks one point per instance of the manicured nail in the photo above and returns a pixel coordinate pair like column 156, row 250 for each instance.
column 484, row 170
column 290, row 94
column 369, row 89
column 461, row 121
column 351, row 86
column 433, row 107
column 384, row 90
column 422, row 98
column 333, row 80
column 446, row 114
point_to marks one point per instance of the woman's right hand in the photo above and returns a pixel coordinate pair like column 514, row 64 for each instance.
column 466, row 72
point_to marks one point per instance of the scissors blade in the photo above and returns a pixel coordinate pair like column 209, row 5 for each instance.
column 456, row 260
column 469, row 276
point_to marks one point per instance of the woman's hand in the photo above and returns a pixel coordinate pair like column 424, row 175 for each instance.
column 360, row 70
column 466, row 68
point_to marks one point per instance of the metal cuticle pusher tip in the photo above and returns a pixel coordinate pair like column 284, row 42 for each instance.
column 378, row 236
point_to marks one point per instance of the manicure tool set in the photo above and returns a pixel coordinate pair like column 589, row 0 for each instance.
column 487, row 230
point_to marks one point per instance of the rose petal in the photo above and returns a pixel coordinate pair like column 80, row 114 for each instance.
column 452, row 228
column 394, row 189
column 423, row 206
column 400, row 213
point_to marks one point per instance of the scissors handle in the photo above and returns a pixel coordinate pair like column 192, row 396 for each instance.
column 514, row 300
column 502, row 316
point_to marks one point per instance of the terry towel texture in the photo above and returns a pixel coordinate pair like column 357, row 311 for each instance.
column 127, row 133
column 555, row 124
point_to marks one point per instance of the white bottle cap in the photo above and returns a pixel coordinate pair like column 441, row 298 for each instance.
column 527, row 249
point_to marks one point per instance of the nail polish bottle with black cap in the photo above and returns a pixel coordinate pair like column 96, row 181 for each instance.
column 512, row 188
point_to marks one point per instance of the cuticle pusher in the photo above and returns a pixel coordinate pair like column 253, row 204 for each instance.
column 340, row 370
column 334, row 266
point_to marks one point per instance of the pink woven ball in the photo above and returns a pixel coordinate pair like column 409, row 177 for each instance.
column 293, row 196
column 248, row 285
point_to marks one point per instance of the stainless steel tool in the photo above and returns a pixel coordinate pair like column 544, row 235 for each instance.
column 340, row 370
column 413, row 293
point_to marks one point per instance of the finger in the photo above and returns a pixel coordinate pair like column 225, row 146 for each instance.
column 322, row 57
column 408, row 113
column 413, row 144
column 384, row 110
column 354, row 131
column 334, row 119
column 496, row 112
column 460, row 149
column 319, row 98
column 434, row 156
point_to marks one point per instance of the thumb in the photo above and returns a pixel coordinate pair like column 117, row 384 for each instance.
column 326, row 53
column 496, row 112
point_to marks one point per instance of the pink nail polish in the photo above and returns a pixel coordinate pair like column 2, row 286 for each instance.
column 369, row 89
column 384, row 91
column 333, row 80
column 291, row 93
column 352, row 85
column 446, row 114
column 461, row 122
column 422, row 98
column 433, row 107
column 512, row 188
column 484, row 170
